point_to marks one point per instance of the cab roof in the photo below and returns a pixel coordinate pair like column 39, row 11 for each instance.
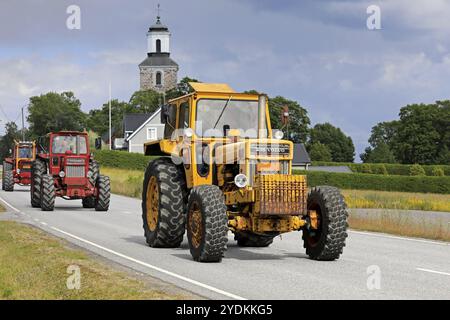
column 211, row 87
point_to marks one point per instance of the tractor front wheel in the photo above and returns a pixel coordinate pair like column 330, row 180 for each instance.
column 48, row 193
column 104, row 193
column 88, row 202
column 8, row 179
column 327, row 240
column 207, row 223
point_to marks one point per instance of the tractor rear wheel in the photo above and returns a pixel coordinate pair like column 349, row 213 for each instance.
column 246, row 239
column 88, row 202
column 48, row 193
column 94, row 172
column 327, row 241
column 9, row 180
column 104, row 194
column 6, row 166
column 207, row 223
column 38, row 169
column 163, row 204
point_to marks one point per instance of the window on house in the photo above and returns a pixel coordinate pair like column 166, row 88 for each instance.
column 158, row 45
column 151, row 134
column 158, row 78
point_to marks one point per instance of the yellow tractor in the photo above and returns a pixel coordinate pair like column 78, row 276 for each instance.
column 222, row 168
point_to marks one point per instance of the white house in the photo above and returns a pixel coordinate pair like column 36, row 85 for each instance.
column 137, row 132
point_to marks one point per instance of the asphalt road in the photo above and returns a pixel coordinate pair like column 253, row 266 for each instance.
column 402, row 268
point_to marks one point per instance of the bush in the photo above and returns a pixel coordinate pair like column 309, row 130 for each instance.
column 381, row 169
column 392, row 169
column 438, row 172
column 121, row 159
column 365, row 168
column 362, row 181
column 416, row 170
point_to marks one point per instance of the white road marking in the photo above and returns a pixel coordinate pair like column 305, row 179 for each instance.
column 433, row 271
column 382, row 235
column 15, row 209
column 191, row 281
column 43, row 223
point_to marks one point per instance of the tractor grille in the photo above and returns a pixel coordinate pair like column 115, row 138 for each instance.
column 281, row 194
column 75, row 172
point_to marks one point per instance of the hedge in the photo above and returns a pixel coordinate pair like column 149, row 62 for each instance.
column 121, row 159
column 392, row 168
column 363, row 181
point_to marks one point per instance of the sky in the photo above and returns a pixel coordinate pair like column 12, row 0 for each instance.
column 319, row 53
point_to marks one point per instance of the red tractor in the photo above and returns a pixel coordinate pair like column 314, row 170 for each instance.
column 64, row 167
column 17, row 169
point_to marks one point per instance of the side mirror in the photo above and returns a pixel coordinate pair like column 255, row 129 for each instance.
column 164, row 113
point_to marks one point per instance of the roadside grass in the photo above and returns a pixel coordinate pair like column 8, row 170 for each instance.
column 397, row 200
column 2, row 209
column 125, row 182
column 33, row 265
column 401, row 225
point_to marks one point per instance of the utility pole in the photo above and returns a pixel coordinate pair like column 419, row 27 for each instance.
column 110, row 129
column 23, row 126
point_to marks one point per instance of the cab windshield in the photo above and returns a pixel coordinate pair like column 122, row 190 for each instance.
column 25, row 152
column 216, row 116
column 62, row 144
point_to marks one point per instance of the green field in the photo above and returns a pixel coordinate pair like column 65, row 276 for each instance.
column 33, row 265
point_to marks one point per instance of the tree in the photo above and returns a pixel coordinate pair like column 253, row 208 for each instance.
column 319, row 152
column 53, row 112
column 422, row 133
column 297, row 129
column 340, row 145
column 145, row 101
column 380, row 154
column 98, row 120
column 181, row 89
column 7, row 141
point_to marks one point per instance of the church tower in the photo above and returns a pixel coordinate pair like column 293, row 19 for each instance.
column 158, row 71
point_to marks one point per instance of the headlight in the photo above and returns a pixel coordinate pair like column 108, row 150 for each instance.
column 278, row 134
column 18, row 171
column 62, row 174
column 241, row 180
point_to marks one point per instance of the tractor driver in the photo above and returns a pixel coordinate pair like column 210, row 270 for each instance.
column 63, row 144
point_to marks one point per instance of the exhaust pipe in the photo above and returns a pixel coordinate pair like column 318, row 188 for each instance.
column 262, row 127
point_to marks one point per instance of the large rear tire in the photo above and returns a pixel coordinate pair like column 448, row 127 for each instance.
column 328, row 240
column 163, row 204
column 6, row 166
column 48, row 193
column 38, row 169
column 207, row 223
column 104, row 193
column 9, row 180
column 246, row 239
column 94, row 172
